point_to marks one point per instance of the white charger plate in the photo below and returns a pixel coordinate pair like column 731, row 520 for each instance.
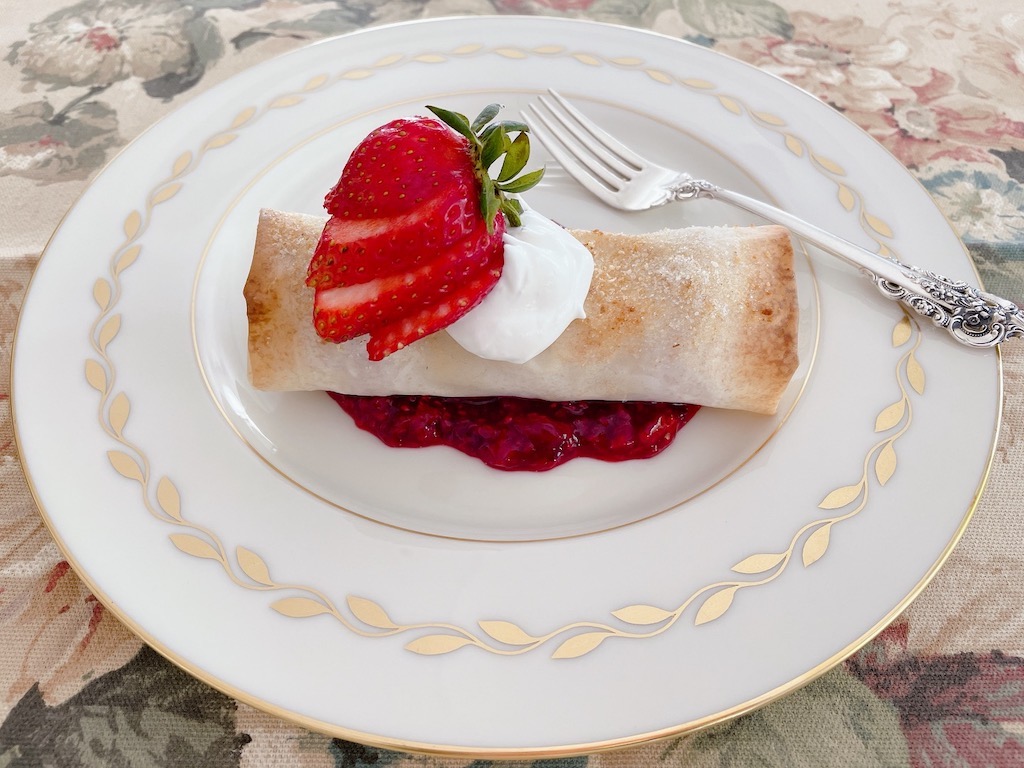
column 416, row 599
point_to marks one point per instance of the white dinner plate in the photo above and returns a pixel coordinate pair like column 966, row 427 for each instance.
column 416, row 599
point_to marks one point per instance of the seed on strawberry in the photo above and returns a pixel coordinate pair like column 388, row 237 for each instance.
column 414, row 240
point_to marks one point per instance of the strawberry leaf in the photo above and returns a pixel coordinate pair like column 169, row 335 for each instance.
column 516, row 157
column 489, row 202
column 513, row 210
column 487, row 114
column 523, row 183
column 512, row 126
column 497, row 143
column 485, row 134
column 456, row 121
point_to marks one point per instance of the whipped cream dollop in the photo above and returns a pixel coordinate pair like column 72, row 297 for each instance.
column 542, row 288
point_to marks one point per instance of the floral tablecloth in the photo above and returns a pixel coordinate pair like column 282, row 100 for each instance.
column 940, row 83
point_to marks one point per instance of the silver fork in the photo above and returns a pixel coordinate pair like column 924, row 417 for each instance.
column 624, row 179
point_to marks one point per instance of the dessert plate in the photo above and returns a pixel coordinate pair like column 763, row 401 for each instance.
column 416, row 599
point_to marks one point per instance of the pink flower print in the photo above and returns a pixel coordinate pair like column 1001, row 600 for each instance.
column 942, row 123
column 95, row 44
column 959, row 710
column 841, row 61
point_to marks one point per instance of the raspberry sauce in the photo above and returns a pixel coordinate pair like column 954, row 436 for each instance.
column 519, row 434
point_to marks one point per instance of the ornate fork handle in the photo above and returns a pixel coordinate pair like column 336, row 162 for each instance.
column 973, row 317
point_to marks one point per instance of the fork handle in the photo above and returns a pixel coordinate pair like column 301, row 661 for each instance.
column 974, row 317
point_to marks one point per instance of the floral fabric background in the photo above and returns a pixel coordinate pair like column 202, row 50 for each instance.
column 939, row 83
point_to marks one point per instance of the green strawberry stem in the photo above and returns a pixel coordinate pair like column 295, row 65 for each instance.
column 491, row 141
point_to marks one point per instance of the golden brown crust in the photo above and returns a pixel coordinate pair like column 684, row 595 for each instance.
column 706, row 315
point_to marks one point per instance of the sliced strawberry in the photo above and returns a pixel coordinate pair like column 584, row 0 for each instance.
column 353, row 251
column 415, row 236
column 394, row 336
column 341, row 313
column 398, row 167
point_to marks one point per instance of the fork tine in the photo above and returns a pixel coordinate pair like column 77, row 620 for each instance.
column 579, row 152
column 605, row 140
column 606, row 190
column 584, row 146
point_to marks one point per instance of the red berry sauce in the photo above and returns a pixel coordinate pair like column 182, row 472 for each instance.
column 518, row 434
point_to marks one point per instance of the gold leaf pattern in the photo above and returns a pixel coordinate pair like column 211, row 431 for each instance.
column 109, row 330
column 891, row 415
column 579, row 645
column 126, row 465
column 702, row 85
column 642, row 614
column 95, row 375
column 878, row 225
column 627, row 61
column 840, row 497
column 816, row 544
column 464, row 50
column 183, row 162
column 658, row 76
column 285, row 101
column 759, row 563
column 901, row 332
column 915, row 374
column 315, row 82
column 768, row 117
column 511, row 53
column 506, row 632
column 299, row 607
column 193, row 545
column 846, row 198
column 715, row 605
column 243, row 117
column 253, row 566
column 829, row 165
column 168, row 498
column 127, row 259
column 222, row 140
column 730, row 104
column 119, row 410
column 394, row 58
column 131, row 224
column 548, row 50
column 357, row 74
column 431, row 58
column 370, row 613
column 885, row 464
column 101, row 293
column 435, row 645
column 166, row 193
column 794, row 145
column 586, row 58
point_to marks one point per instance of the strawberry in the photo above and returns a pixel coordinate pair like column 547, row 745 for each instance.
column 415, row 236
column 355, row 250
column 344, row 312
column 435, row 317
column 397, row 167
